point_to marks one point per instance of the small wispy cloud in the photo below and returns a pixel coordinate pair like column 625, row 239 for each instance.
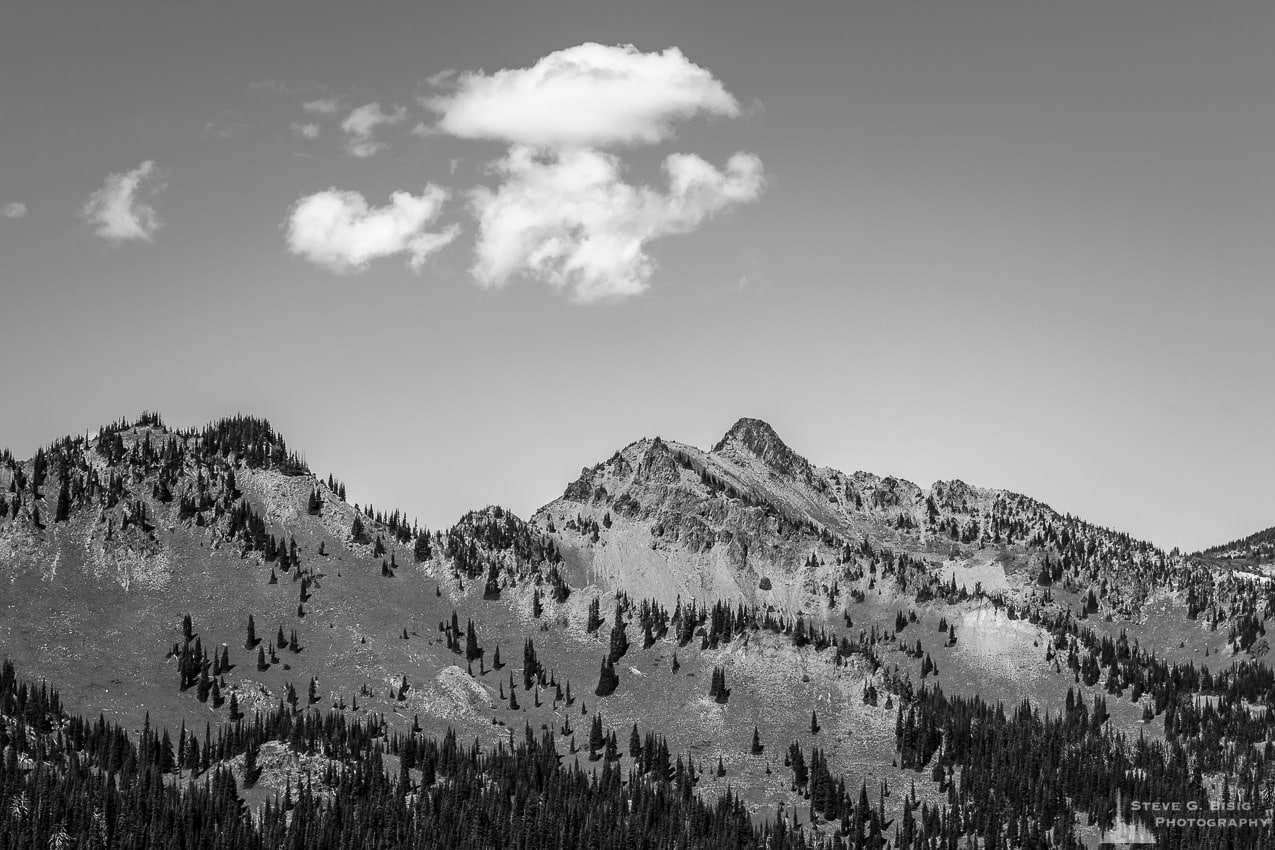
column 229, row 125
column 339, row 231
column 271, row 85
column 287, row 87
column 441, row 78
column 322, row 106
column 13, row 209
column 123, row 209
column 306, row 130
column 360, row 128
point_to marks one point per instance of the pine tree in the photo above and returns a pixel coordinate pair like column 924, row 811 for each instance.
column 596, row 738
column 491, row 590
column 619, row 640
column 717, row 688
column 251, row 771
column 472, row 650
column 63, row 512
column 421, row 548
column 607, row 679
column 251, row 640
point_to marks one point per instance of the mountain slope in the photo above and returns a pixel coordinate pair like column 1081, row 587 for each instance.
column 824, row 601
column 1258, row 548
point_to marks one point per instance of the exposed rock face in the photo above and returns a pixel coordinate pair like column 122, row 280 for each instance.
column 662, row 519
column 760, row 440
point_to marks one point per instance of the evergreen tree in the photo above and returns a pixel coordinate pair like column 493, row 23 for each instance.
column 607, row 679
column 251, row 772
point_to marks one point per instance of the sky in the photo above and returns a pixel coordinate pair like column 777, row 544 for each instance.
column 456, row 252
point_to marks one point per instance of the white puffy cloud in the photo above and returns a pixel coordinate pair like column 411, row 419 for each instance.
column 338, row 230
column 322, row 106
column 590, row 95
column 13, row 209
column 569, row 219
column 307, row 130
column 360, row 128
column 122, row 209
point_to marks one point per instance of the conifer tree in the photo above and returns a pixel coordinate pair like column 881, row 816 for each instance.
column 63, row 512
column 607, row 679
column 472, row 650
column 421, row 548
column 596, row 738
column 491, row 590
column 251, row 772
column 619, row 640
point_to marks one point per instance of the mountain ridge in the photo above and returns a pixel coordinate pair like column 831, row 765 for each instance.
column 170, row 575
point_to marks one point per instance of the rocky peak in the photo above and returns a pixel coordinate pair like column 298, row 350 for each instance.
column 760, row 440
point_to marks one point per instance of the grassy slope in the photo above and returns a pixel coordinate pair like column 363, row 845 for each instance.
column 105, row 647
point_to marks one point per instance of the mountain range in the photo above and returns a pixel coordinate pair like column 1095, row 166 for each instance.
column 738, row 602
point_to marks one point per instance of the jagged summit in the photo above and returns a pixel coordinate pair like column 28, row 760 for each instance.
column 759, row 439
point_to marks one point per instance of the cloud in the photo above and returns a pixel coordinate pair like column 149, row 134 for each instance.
column 441, row 77
column 14, row 209
column 122, row 209
column 322, row 106
column 569, row 219
column 309, row 131
column 360, row 127
column 287, row 87
column 229, row 125
column 272, row 86
column 590, row 95
column 338, row 230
